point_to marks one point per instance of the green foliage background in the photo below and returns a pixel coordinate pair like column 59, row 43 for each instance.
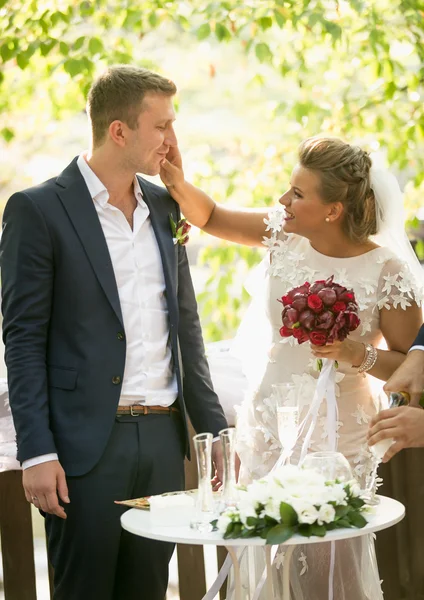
column 353, row 69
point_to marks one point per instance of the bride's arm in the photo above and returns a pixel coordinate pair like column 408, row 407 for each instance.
column 399, row 328
column 241, row 225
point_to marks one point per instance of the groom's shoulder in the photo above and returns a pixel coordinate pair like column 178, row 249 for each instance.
column 44, row 192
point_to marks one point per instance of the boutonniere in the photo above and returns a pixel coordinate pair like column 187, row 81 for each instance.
column 180, row 231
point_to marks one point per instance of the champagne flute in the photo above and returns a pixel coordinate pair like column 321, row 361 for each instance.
column 286, row 396
column 379, row 450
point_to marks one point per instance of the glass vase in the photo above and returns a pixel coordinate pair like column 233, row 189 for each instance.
column 229, row 494
column 204, row 507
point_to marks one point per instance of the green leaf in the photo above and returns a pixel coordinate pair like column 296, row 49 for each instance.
column 7, row 134
column 252, row 521
column 356, row 502
column 288, row 514
column 390, row 90
column 305, row 530
column 314, row 18
column 221, row 32
column 73, row 66
column 343, row 523
column 95, row 46
column 263, row 52
column 204, row 31
column 318, row 530
column 153, row 19
column 357, row 520
column 7, row 50
column 63, row 48
column 132, row 19
column 333, row 29
column 341, row 511
column 22, row 60
column 47, row 46
column 264, row 23
column 79, row 42
column 280, row 20
column 279, row 534
column 173, row 226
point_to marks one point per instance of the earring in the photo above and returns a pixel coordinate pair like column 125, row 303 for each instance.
column 327, row 219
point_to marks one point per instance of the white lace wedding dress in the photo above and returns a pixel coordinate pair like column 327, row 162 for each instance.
column 379, row 280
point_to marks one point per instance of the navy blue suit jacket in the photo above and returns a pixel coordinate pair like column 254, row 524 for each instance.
column 420, row 337
column 63, row 328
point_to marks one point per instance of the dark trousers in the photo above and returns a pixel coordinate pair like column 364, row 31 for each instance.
column 92, row 556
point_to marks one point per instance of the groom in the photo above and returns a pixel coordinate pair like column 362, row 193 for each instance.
column 101, row 333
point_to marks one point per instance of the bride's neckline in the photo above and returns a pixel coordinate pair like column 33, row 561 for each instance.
column 341, row 257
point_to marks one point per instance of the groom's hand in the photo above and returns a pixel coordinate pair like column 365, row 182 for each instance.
column 404, row 424
column 218, row 463
column 409, row 377
column 43, row 484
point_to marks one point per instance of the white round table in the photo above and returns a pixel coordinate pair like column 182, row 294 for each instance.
column 387, row 513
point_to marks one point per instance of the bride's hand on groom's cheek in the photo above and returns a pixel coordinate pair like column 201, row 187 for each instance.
column 171, row 168
column 347, row 351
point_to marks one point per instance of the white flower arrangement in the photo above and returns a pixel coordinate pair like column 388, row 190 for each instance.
column 292, row 500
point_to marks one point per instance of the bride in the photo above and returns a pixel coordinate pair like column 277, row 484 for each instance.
column 341, row 216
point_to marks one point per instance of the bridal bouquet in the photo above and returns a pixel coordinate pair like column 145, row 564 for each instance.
column 292, row 500
column 321, row 313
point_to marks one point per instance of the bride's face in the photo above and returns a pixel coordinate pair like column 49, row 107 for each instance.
column 306, row 213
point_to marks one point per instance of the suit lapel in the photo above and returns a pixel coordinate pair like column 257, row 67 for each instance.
column 79, row 205
column 159, row 218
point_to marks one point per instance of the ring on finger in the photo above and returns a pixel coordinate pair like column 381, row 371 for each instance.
column 34, row 498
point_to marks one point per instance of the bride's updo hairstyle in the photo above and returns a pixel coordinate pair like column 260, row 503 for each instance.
column 344, row 172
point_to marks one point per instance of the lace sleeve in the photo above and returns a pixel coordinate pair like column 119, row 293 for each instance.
column 274, row 223
column 397, row 286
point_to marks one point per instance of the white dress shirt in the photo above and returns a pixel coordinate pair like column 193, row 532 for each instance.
column 149, row 378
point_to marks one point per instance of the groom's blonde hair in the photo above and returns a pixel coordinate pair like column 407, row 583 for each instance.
column 344, row 173
column 118, row 94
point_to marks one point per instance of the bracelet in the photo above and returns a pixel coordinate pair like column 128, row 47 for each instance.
column 370, row 359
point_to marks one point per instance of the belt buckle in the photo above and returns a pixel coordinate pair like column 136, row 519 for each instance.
column 132, row 413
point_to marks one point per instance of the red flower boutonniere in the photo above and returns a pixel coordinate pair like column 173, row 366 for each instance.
column 180, row 231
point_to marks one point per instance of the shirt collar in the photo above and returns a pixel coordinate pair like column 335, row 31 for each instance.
column 97, row 189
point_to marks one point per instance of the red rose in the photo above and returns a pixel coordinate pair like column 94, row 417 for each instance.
column 286, row 332
column 286, row 300
column 325, row 320
column 297, row 332
column 346, row 296
column 300, row 301
column 315, row 302
column 353, row 321
column 290, row 316
column 328, row 296
column 318, row 338
column 339, row 306
column 307, row 319
column 303, row 338
column 317, row 286
column 301, row 289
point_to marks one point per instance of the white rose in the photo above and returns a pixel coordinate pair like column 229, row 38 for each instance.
column 326, row 514
column 223, row 521
column 355, row 489
column 306, row 511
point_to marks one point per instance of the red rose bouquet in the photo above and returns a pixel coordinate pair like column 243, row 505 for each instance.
column 320, row 313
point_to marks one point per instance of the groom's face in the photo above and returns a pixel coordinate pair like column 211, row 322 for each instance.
column 150, row 142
